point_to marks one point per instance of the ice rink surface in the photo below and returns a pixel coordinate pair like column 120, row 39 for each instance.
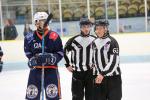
column 135, row 76
column 135, row 66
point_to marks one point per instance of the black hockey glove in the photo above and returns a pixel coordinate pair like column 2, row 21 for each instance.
column 32, row 62
column 46, row 58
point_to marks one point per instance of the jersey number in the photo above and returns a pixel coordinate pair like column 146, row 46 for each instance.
column 116, row 50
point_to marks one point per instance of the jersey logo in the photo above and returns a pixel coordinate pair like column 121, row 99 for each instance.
column 37, row 45
column 106, row 46
column 53, row 36
column 32, row 91
column 51, row 91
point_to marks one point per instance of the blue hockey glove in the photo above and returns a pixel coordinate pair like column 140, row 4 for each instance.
column 32, row 62
column 46, row 58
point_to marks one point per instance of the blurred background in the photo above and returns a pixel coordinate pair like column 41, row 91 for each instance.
column 124, row 15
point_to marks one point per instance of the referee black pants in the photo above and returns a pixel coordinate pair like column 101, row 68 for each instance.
column 82, row 85
column 109, row 89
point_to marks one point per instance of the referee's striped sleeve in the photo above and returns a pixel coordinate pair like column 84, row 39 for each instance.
column 112, row 65
column 114, row 59
column 67, row 49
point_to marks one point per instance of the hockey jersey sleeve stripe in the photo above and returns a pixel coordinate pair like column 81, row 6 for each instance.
column 115, row 67
column 111, row 64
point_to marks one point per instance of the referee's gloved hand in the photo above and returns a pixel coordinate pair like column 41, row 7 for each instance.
column 32, row 62
column 46, row 58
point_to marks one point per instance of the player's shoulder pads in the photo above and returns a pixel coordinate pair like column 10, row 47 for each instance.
column 29, row 37
column 53, row 35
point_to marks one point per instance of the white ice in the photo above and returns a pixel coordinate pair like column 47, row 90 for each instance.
column 135, row 76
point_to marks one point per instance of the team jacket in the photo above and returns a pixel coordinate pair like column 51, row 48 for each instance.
column 52, row 44
column 106, row 56
column 81, row 52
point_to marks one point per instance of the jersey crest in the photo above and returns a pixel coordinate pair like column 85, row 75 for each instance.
column 53, row 36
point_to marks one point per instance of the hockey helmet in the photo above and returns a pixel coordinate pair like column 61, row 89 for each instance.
column 40, row 16
column 102, row 23
column 85, row 21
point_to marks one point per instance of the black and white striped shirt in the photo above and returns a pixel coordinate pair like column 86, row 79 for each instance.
column 106, row 56
column 81, row 52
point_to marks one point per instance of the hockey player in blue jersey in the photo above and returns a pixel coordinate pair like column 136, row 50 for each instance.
column 53, row 54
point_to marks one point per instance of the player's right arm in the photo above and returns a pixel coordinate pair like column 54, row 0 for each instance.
column 27, row 50
column 32, row 60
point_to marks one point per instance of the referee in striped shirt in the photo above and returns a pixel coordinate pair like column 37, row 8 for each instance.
column 80, row 62
column 106, row 59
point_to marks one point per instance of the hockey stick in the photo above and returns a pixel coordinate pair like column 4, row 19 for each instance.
column 42, row 76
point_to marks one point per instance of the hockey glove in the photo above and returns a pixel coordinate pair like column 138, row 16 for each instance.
column 46, row 58
column 32, row 62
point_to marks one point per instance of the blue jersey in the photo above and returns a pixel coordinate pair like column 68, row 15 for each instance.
column 52, row 44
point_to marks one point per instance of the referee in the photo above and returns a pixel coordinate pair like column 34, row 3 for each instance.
column 106, row 59
column 80, row 62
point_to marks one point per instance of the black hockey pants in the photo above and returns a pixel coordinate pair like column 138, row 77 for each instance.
column 109, row 89
column 82, row 85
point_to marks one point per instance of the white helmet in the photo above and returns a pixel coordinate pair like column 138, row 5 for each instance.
column 40, row 15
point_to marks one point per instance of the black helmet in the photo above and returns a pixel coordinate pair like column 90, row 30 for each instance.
column 85, row 21
column 102, row 23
